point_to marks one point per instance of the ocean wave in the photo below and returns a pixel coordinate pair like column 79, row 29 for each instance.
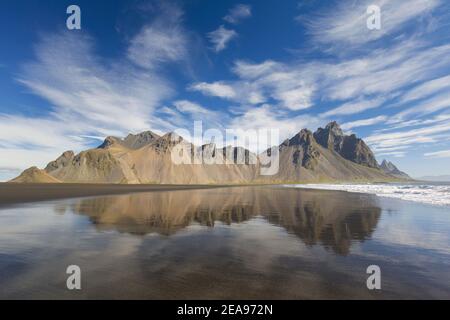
column 429, row 194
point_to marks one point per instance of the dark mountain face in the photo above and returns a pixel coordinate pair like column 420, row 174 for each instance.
column 349, row 147
column 306, row 153
column 331, row 137
column 356, row 150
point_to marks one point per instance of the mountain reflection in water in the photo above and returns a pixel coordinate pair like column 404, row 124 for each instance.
column 256, row 242
column 333, row 223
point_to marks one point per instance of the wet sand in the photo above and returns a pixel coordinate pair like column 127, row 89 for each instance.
column 12, row 193
column 230, row 243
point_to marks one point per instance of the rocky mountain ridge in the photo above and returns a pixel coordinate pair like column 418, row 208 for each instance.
column 391, row 169
column 327, row 155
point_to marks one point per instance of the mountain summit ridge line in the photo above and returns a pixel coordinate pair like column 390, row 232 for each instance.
column 327, row 155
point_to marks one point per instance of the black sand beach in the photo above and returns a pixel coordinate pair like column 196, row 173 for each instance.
column 14, row 193
column 222, row 243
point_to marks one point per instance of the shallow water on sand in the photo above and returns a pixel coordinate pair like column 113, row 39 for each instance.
column 238, row 243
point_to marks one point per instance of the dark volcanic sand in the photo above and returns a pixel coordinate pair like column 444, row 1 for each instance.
column 222, row 243
column 14, row 193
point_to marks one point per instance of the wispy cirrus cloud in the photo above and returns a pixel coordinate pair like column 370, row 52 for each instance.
column 221, row 37
column 363, row 122
column 248, row 70
column 426, row 89
column 161, row 41
column 90, row 96
column 429, row 134
column 154, row 45
column 431, row 105
column 346, row 23
column 356, row 85
column 395, row 154
column 238, row 13
column 354, row 107
column 113, row 95
column 215, row 89
column 392, row 83
column 394, row 124
column 438, row 154
column 186, row 106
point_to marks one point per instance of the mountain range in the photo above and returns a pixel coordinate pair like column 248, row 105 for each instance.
column 327, row 155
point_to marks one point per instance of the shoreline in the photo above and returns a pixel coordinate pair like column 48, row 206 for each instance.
column 18, row 193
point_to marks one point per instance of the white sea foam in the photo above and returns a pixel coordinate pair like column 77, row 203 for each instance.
column 424, row 193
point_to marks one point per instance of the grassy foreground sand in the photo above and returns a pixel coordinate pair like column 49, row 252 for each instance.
column 11, row 193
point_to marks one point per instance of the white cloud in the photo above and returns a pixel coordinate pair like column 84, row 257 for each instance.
column 431, row 105
column 363, row 122
column 185, row 113
column 269, row 79
column 295, row 99
column 238, row 13
column 216, row 89
column 89, row 96
column 390, row 149
column 164, row 40
column 438, row 154
column 364, row 82
column 247, row 70
column 395, row 154
column 114, row 96
column 157, row 44
column 384, row 71
column 424, row 135
column 190, row 107
column 426, row 89
column 354, row 107
column 395, row 124
column 221, row 37
column 346, row 24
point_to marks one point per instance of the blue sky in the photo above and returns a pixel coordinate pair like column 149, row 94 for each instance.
column 160, row 65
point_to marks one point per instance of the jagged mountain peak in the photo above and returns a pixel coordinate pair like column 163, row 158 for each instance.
column 131, row 141
column 331, row 137
column 305, row 136
column 392, row 169
column 136, row 141
column 327, row 154
column 61, row 162
column 173, row 136
column 385, row 164
column 167, row 141
column 109, row 141
column 349, row 147
column 334, row 127
column 146, row 133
